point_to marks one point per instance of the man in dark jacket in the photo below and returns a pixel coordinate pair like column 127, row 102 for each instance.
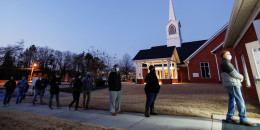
column 114, row 81
column 77, row 87
column 10, row 87
column 40, row 86
column 152, row 88
column 87, row 85
column 54, row 90
column 232, row 82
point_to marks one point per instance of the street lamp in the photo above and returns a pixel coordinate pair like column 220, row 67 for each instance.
column 33, row 66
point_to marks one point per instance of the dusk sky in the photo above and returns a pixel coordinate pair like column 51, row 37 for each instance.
column 114, row 26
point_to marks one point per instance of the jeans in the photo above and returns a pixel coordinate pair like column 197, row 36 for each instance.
column 76, row 96
column 7, row 98
column 115, row 101
column 150, row 99
column 86, row 93
column 235, row 98
column 38, row 92
column 20, row 94
column 57, row 100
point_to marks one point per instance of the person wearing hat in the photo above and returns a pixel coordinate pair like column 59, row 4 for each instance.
column 152, row 88
column 10, row 87
column 114, row 81
column 87, row 85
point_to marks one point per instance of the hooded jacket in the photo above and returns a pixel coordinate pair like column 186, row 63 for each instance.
column 114, row 81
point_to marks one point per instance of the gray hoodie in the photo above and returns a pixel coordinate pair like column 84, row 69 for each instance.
column 230, row 76
column 87, row 83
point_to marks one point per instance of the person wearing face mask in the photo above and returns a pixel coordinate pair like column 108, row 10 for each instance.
column 40, row 86
column 152, row 88
column 114, row 81
column 77, row 86
column 231, row 80
column 87, row 85
column 55, row 90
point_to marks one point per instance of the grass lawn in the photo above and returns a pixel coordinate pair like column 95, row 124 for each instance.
column 12, row 120
column 198, row 100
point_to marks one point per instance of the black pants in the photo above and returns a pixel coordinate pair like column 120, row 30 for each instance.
column 76, row 96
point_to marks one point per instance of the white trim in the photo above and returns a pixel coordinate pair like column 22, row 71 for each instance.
column 159, row 59
column 220, row 45
column 247, row 78
column 236, row 64
column 251, row 18
column 188, row 72
column 217, row 67
column 207, row 42
column 204, row 67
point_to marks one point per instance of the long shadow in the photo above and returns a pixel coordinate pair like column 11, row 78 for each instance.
column 230, row 126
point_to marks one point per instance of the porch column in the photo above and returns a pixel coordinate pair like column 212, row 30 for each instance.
column 175, row 71
column 141, row 70
column 137, row 70
column 172, row 70
column 160, row 74
column 168, row 69
column 148, row 67
column 163, row 77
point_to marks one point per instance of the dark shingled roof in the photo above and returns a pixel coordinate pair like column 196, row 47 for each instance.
column 157, row 52
column 188, row 48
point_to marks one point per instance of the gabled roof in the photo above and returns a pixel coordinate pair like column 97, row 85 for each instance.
column 207, row 42
column 164, row 52
column 157, row 52
column 188, row 48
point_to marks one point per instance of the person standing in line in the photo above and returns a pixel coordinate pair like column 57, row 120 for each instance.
column 22, row 85
column 10, row 87
column 152, row 89
column 231, row 80
column 114, row 81
column 40, row 86
column 77, row 87
column 87, row 85
column 54, row 90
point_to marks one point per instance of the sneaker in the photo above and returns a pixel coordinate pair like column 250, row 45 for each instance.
column 232, row 121
column 16, row 102
column 68, row 108
column 50, row 108
column 76, row 110
column 114, row 114
column 247, row 123
column 146, row 115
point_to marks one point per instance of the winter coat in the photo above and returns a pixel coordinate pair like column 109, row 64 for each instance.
column 54, row 83
column 87, row 83
column 230, row 76
column 152, row 84
column 22, row 84
column 41, row 84
column 77, row 85
column 114, row 81
column 10, row 86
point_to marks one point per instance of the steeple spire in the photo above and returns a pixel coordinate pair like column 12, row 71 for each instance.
column 171, row 12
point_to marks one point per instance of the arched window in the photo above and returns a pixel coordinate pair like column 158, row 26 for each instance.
column 172, row 30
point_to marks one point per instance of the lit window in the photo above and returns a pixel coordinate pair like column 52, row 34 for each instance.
column 172, row 30
column 245, row 71
column 205, row 72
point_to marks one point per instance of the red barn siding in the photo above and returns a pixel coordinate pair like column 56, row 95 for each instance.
column 205, row 56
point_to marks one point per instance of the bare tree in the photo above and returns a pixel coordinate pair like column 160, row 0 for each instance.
column 126, row 65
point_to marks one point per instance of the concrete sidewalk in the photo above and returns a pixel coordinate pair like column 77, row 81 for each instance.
column 131, row 121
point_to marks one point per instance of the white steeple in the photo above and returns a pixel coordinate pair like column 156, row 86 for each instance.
column 173, row 29
column 171, row 12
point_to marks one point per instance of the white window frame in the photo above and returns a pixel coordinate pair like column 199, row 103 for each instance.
column 247, row 79
column 201, row 71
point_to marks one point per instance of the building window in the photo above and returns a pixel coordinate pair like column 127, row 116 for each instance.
column 245, row 71
column 172, row 30
column 205, row 72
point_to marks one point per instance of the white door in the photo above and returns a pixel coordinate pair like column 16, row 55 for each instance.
column 253, row 51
